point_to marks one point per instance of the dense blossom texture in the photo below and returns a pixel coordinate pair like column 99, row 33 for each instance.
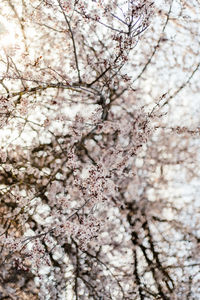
column 99, row 149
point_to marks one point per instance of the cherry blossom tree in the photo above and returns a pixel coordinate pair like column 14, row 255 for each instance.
column 99, row 149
